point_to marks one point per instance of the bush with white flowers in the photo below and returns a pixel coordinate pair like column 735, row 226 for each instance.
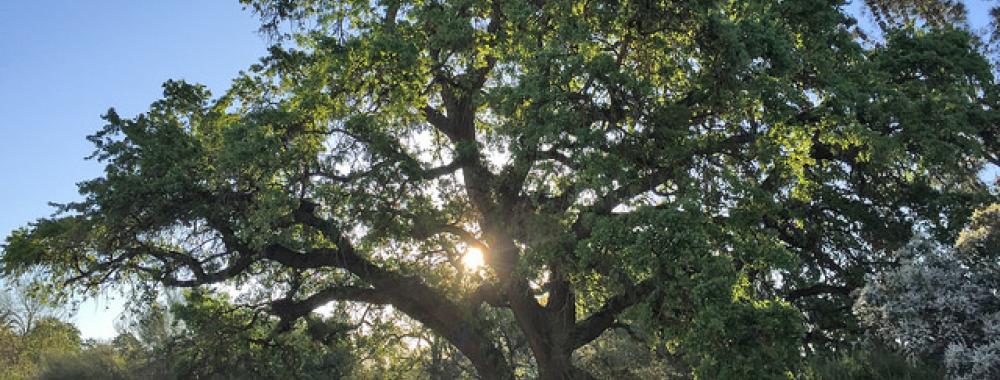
column 942, row 303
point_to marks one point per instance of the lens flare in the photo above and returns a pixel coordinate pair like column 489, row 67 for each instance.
column 473, row 259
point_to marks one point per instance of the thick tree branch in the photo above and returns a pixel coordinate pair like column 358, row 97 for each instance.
column 409, row 294
column 593, row 326
column 171, row 259
column 289, row 310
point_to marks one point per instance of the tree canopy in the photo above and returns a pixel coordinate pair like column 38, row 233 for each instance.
column 717, row 177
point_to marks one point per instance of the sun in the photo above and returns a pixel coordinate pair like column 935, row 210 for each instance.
column 473, row 259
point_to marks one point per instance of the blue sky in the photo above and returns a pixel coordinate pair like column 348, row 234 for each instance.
column 64, row 63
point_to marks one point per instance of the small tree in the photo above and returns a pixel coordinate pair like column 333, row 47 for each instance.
column 21, row 309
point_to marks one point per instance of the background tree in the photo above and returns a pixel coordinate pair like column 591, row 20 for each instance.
column 202, row 336
column 31, row 331
column 21, row 309
column 25, row 356
column 720, row 174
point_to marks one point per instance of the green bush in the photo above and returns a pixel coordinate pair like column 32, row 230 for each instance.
column 97, row 363
column 869, row 363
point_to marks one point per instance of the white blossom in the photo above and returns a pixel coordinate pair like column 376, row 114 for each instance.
column 933, row 306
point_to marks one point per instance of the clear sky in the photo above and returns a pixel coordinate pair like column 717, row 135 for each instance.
column 64, row 63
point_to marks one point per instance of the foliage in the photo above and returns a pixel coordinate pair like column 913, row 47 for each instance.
column 100, row 362
column 13, row 363
column 24, row 356
column 941, row 306
column 869, row 362
column 978, row 246
column 202, row 336
column 210, row 340
column 218, row 341
column 720, row 174
column 895, row 13
column 625, row 355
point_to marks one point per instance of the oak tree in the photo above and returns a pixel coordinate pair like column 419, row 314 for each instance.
column 718, row 174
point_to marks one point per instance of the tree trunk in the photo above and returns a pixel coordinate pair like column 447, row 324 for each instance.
column 560, row 367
